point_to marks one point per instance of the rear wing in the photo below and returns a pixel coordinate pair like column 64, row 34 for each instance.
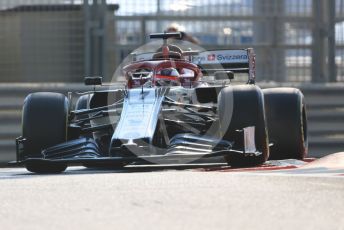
column 211, row 61
column 237, row 61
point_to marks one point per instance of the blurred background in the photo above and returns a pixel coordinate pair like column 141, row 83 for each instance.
column 50, row 45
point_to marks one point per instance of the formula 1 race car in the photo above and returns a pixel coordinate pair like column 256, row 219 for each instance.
column 168, row 113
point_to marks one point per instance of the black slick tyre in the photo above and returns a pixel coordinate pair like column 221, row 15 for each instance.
column 241, row 107
column 287, row 123
column 44, row 124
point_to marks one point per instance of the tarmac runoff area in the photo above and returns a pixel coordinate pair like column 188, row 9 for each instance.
column 278, row 195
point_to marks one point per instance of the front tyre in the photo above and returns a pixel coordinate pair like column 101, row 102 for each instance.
column 241, row 107
column 44, row 124
column 46, row 167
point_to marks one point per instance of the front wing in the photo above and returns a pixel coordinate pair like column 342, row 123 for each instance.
column 185, row 148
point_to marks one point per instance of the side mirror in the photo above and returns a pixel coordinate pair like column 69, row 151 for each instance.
column 93, row 80
column 224, row 75
column 190, row 53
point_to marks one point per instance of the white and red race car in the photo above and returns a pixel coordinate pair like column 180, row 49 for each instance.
column 177, row 107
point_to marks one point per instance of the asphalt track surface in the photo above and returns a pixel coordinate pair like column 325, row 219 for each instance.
column 279, row 195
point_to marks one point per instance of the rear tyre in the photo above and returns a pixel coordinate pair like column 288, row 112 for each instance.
column 82, row 103
column 240, row 107
column 44, row 124
column 287, row 123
